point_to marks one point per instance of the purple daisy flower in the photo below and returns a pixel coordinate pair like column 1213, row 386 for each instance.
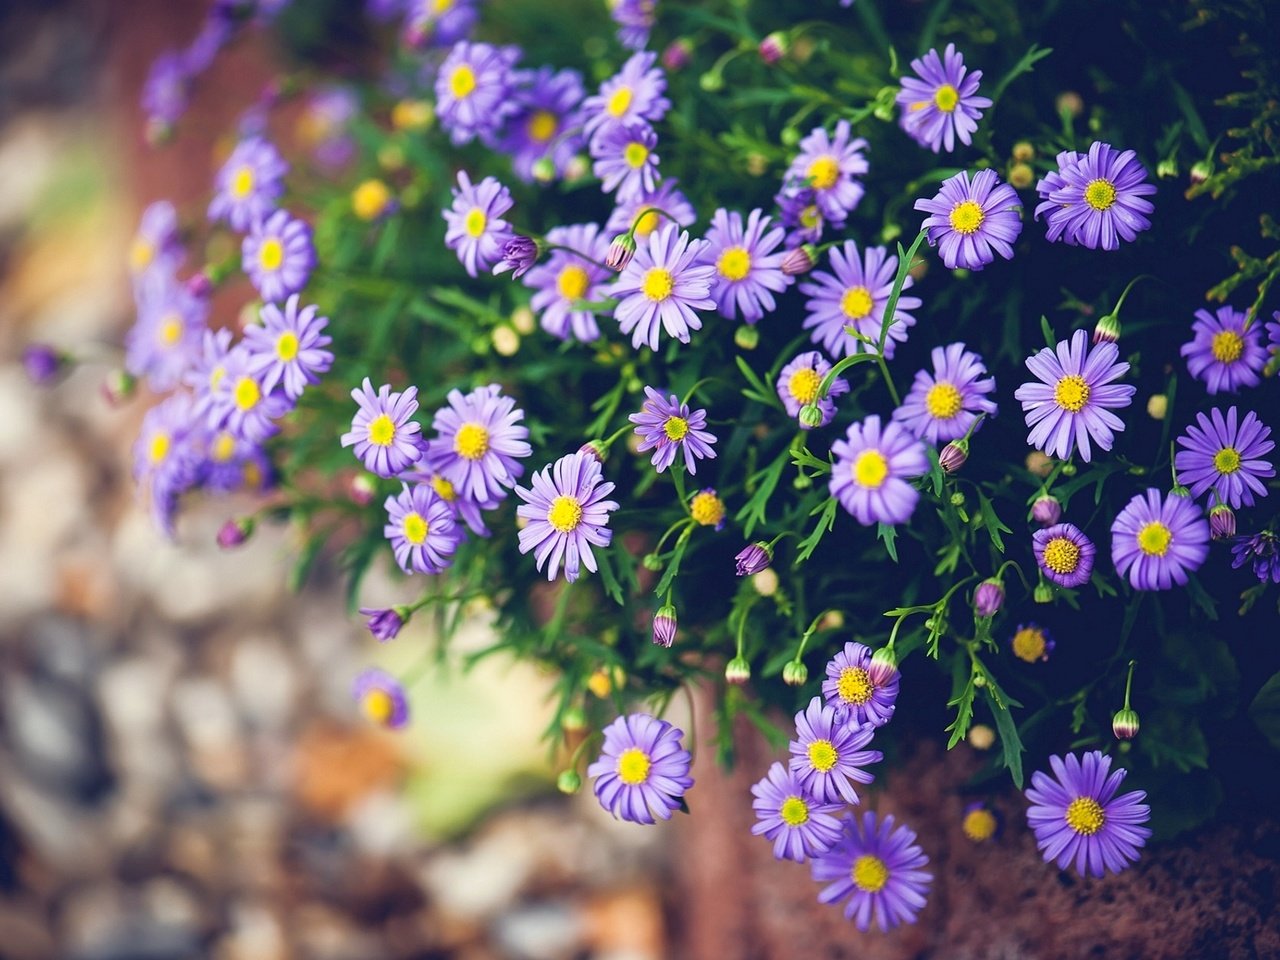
column 1031, row 643
column 385, row 435
column 166, row 456
column 827, row 165
column 421, row 529
column 381, row 698
column 248, row 410
column 871, row 469
column 661, row 288
column 855, row 295
column 666, row 426
column 634, row 93
column 156, row 249
column 207, row 375
column 877, row 866
column 165, row 340
column 435, row 457
column 288, row 347
column 707, row 509
column 625, row 161
column 943, row 405
column 1096, row 199
column 828, row 753
column 249, row 184
column 547, row 100
column 480, row 442
column 1079, row 820
column 233, row 463
column 1273, row 332
column 567, row 514
column 1071, row 404
column 439, row 23
column 798, row 385
column 635, row 19
column 165, row 93
column 802, row 217
column 981, row 821
column 278, row 255
column 1222, row 353
column 850, row 687
column 942, row 106
column 970, row 222
column 384, row 622
column 324, row 125
column 799, row 825
column 747, row 270
column 1064, row 553
column 1159, row 542
column 476, row 229
column 643, row 769
column 637, row 212
column 1263, row 549
column 1225, row 454
column 473, row 91
column 565, row 281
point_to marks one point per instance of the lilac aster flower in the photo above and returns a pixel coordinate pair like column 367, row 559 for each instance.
column 1079, row 820
column 981, row 821
column 167, row 456
column 383, row 431
column 473, row 91
column 233, row 463
column 707, row 509
column 439, row 23
column 248, row 410
column 635, row 19
column 634, row 93
column 207, row 376
column 543, row 126
column 166, row 338
column 436, row 456
column 799, row 825
column 801, row 216
column 565, row 281
column 855, row 295
column 1071, row 404
column 970, row 222
column 249, row 184
column 828, row 753
column 476, row 229
column 667, row 426
column 166, row 92
column 156, row 248
column 567, row 514
column 381, row 698
column 850, row 687
column 421, row 529
column 324, row 125
column 1158, row 543
column 798, row 385
column 480, row 442
column 1222, row 353
column 1273, row 332
column 662, row 287
column 942, row 106
column 384, row 623
column 872, row 465
column 748, row 271
column 288, row 347
column 625, row 161
column 1097, row 198
column 1064, row 554
column 278, row 255
column 1031, row 643
column 827, row 165
column 637, row 212
column 1225, row 454
column 643, row 769
column 1263, row 550
column 943, row 405
column 1045, row 188
column 877, row 866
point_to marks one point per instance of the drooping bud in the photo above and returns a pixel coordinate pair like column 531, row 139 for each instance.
column 1046, row 511
column 362, row 489
column 1125, row 724
column 883, row 667
column 953, row 456
column 569, row 782
column 795, row 673
column 42, row 362
column 544, row 170
column 652, row 561
column 1167, row 168
column 200, row 284
column 737, row 670
column 621, row 250
column 664, row 625
column 810, row 416
column 1178, row 490
column 1043, row 593
column 988, row 598
column 574, row 719
column 753, row 558
column 385, row 624
column 1201, row 170
column 594, row 449
column 800, row 260
column 678, row 54
column 1222, row 522
column 518, row 255
column 774, row 47
column 1107, row 329
column 746, row 337
column 235, row 532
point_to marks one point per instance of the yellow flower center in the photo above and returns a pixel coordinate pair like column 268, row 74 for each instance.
column 159, row 447
column 247, row 393
column 1071, row 393
column 475, row 222
column 1061, row 555
column 803, row 385
column 565, row 514
column 979, row 824
column 707, row 509
column 415, row 528
column 824, row 172
column 657, row 284
column 224, row 447
column 854, row 686
column 645, row 224
column 869, row 873
column 794, row 811
column 242, row 182
column 1227, row 346
column 810, row 217
column 1085, row 816
column 870, row 469
column 1227, row 460
column 251, row 476
column 141, row 254
column 1100, row 194
column 381, row 430
column 633, row 766
column 462, row 81
column 271, row 254
column 635, row 155
column 444, row 489
column 378, row 706
column 216, row 375
column 822, row 755
column 370, row 199
column 542, row 126
column 734, row 263
column 966, row 217
column 619, row 102
column 946, row 97
column 171, row 330
column 1029, row 644
column 442, row 6
column 676, row 429
column 287, row 346
column 471, row 441
column 856, row 303
column 1154, row 539
column 572, row 282
column 411, row 114
column 943, row 401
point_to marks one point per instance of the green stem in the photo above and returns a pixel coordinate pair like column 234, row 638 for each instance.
column 1128, row 684
column 577, row 253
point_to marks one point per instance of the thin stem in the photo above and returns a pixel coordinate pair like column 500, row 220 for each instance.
column 1128, row 684
column 577, row 253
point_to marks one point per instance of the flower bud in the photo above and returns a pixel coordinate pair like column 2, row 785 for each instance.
column 1201, row 171
column 664, row 625
column 810, row 416
column 1107, row 329
column 1021, row 176
column 795, row 673
column 765, row 582
column 594, row 449
column 385, row 624
column 362, row 489
column 746, row 337
column 988, row 598
column 678, row 54
column 1125, row 724
column 1046, row 511
column 235, row 532
column 1157, row 406
column 737, row 670
column 621, row 250
column 1167, row 168
column 711, row 82
column 957, row 499
column 569, row 782
column 953, row 456
column 506, row 342
column 774, row 47
column 790, row 136
column 1178, row 490
column 1043, row 593
column 200, row 284
column 1023, row 151
column 42, row 363
column 518, row 255
column 1222, row 522
column 884, row 666
column 1039, row 464
column 753, row 558
column 652, row 562
column 544, row 170
column 118, row 387
column 573, row 720
column 800, row 260
column 981, row 737
column 1069, row 104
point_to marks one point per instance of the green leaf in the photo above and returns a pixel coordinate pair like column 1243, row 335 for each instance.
column 759, row 392
column 1049, row 339
column 889, row 534
column 1025, row 65
column 612, row 587
column 753, row 512
column 1200, row 597
column 1010, row 742
column 1265, row 710
column 992, row 523
column 963, row 702
column 825, row 523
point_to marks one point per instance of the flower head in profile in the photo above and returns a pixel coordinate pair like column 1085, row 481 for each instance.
column 565, row 281
column 1079, row 819
column 541, row 129
column 829, row 754
column 1031, row 643
column 1222, row 353
column 877, row 866
column 1064, row 554
column 638, row 212
column 635, row 19
column 384, row 622
column 871, row 469
column 850, row 688
column 165, row 93
column 249, row 184
column 1096, row 199
column 166, row 456
column 165, row 340
column 1069, row 409
column 381, row 698
column 643, row 769
column 943, row 405
column 278, row 255
column 625, row 160
column 421, row 529
column 855, row 294
column 830, row 166
column 668, row 427
column 1158, row 542
column 385, row 436
column 288, row 347
column 1263, row 551
column 799, row 825
column 942, row 105
column 1225, row 454
column 634, row 93
column 474, row 91
column 480, row 442
column 662, row 288
column 476, row 229
column 798, row 384
column 748, row 270
column 970, row 221
column 156, row 248
column 567, row 515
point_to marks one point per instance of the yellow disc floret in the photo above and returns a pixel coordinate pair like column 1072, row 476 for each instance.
column 943, row 401
column 475, row 222
column 822, row 755
column 1227, row 460
column 854, row 686
column 572, row 282
column 381, row 431
column 1029, row 644
column 415, row 528
column 1154, row 539
column 707, row 509
column 803, row 385
column 966, row 217
column 824, row 172
column 246, row 393
column 271, row 254
column 979, row 824
column 287, row 346
column 1100, row 194
column 633, row 766
column 370, row 199
column 378, row 706
column 676, row 429
column 242, row 182
column 857, row 303
column 870, row 469
column 471, row 441
column 1071, row 393
column 462, row 81
column 946, row 97
column 1085, row 816
column 1061, row 555
column 542, row 126
column 734, row 263
column 794, row 811
column 635, row 154
column 657, row 284
column 565, row 514
column 869, row 873
column 1227, row 346
column 619, row 102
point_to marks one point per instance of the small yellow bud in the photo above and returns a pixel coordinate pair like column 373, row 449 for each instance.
column 371, row 199
column 981, row 737
column 1157, row 406
column 506, row 342
column 412, row 115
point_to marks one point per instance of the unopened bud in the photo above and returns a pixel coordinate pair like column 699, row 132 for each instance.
column 1021, row 176
column 884, row 666
column 794, row 673
column 1039, row 464
column 988, row 598
column 594, row 449
column 1222, row 522
column 765, row 582
column 711, row 81
column 753, row 558
column 235, row 532
column 800, row 260
column 119, row 387
column 810, row 416
column 774, row 47
column 1043, row 593
column 981, row 737
column 1046, row 511
column 746, row 337
column 1201, row 170
column 737, row 670
column 42, row 363
column 362, row 489
column 1167, row 168
column 569, row 782
column 1157, row 406
column 1070, row 104
column 954, row 455
column 664, row 625
column 518, row 255
column 1107, row 329
column 1023, row 151
column 573, row 720
column 652, row 562
column 621, row 250
column 678, row 54
column 1178, row 490
column 1125, row 724
column 544, row 170
column 200, row 284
